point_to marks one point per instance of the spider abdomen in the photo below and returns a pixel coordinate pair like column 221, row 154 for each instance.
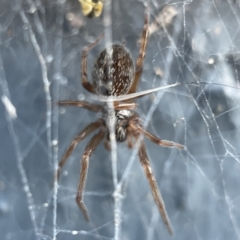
column 113, row 71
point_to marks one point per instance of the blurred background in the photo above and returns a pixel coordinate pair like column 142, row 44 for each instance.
column 190, row 42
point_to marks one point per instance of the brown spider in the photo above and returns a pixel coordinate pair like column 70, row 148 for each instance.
column 113, row 75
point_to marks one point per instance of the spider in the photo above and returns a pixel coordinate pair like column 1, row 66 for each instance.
column 113, row 74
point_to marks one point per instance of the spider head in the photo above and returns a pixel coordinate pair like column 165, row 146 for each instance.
column 113, row 71
column 121, row 125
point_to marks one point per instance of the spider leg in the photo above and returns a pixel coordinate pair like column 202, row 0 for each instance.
column 125, row 105
column 84, row 133
column 107, row 145
column 87, row 85
column 163, row 143
column 82, row 104
column 141, row 56
column 153, row 184
column 130, row 142
column 135, row 125
column 94, row 142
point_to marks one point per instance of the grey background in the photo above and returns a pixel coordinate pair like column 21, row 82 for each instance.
column 199, row 185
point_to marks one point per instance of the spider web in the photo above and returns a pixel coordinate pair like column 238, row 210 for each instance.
column 190, row 42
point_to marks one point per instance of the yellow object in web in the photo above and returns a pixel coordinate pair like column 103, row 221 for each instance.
column 91, row 8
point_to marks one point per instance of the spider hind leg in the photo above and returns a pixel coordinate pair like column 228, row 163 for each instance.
column 141, row 56
column 84, row 76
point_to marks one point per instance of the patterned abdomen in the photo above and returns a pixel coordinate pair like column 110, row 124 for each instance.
column 113, row 71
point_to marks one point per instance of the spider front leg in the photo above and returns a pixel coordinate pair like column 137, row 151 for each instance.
column 135, row 129
column 84, row 133
column 153, row 184
column 94, row 142
column 87, row 85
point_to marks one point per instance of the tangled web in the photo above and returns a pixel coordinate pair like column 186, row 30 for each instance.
column 194, row 43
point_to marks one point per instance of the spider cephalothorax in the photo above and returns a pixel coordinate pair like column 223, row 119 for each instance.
column 121, row 123
column 113, row 75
